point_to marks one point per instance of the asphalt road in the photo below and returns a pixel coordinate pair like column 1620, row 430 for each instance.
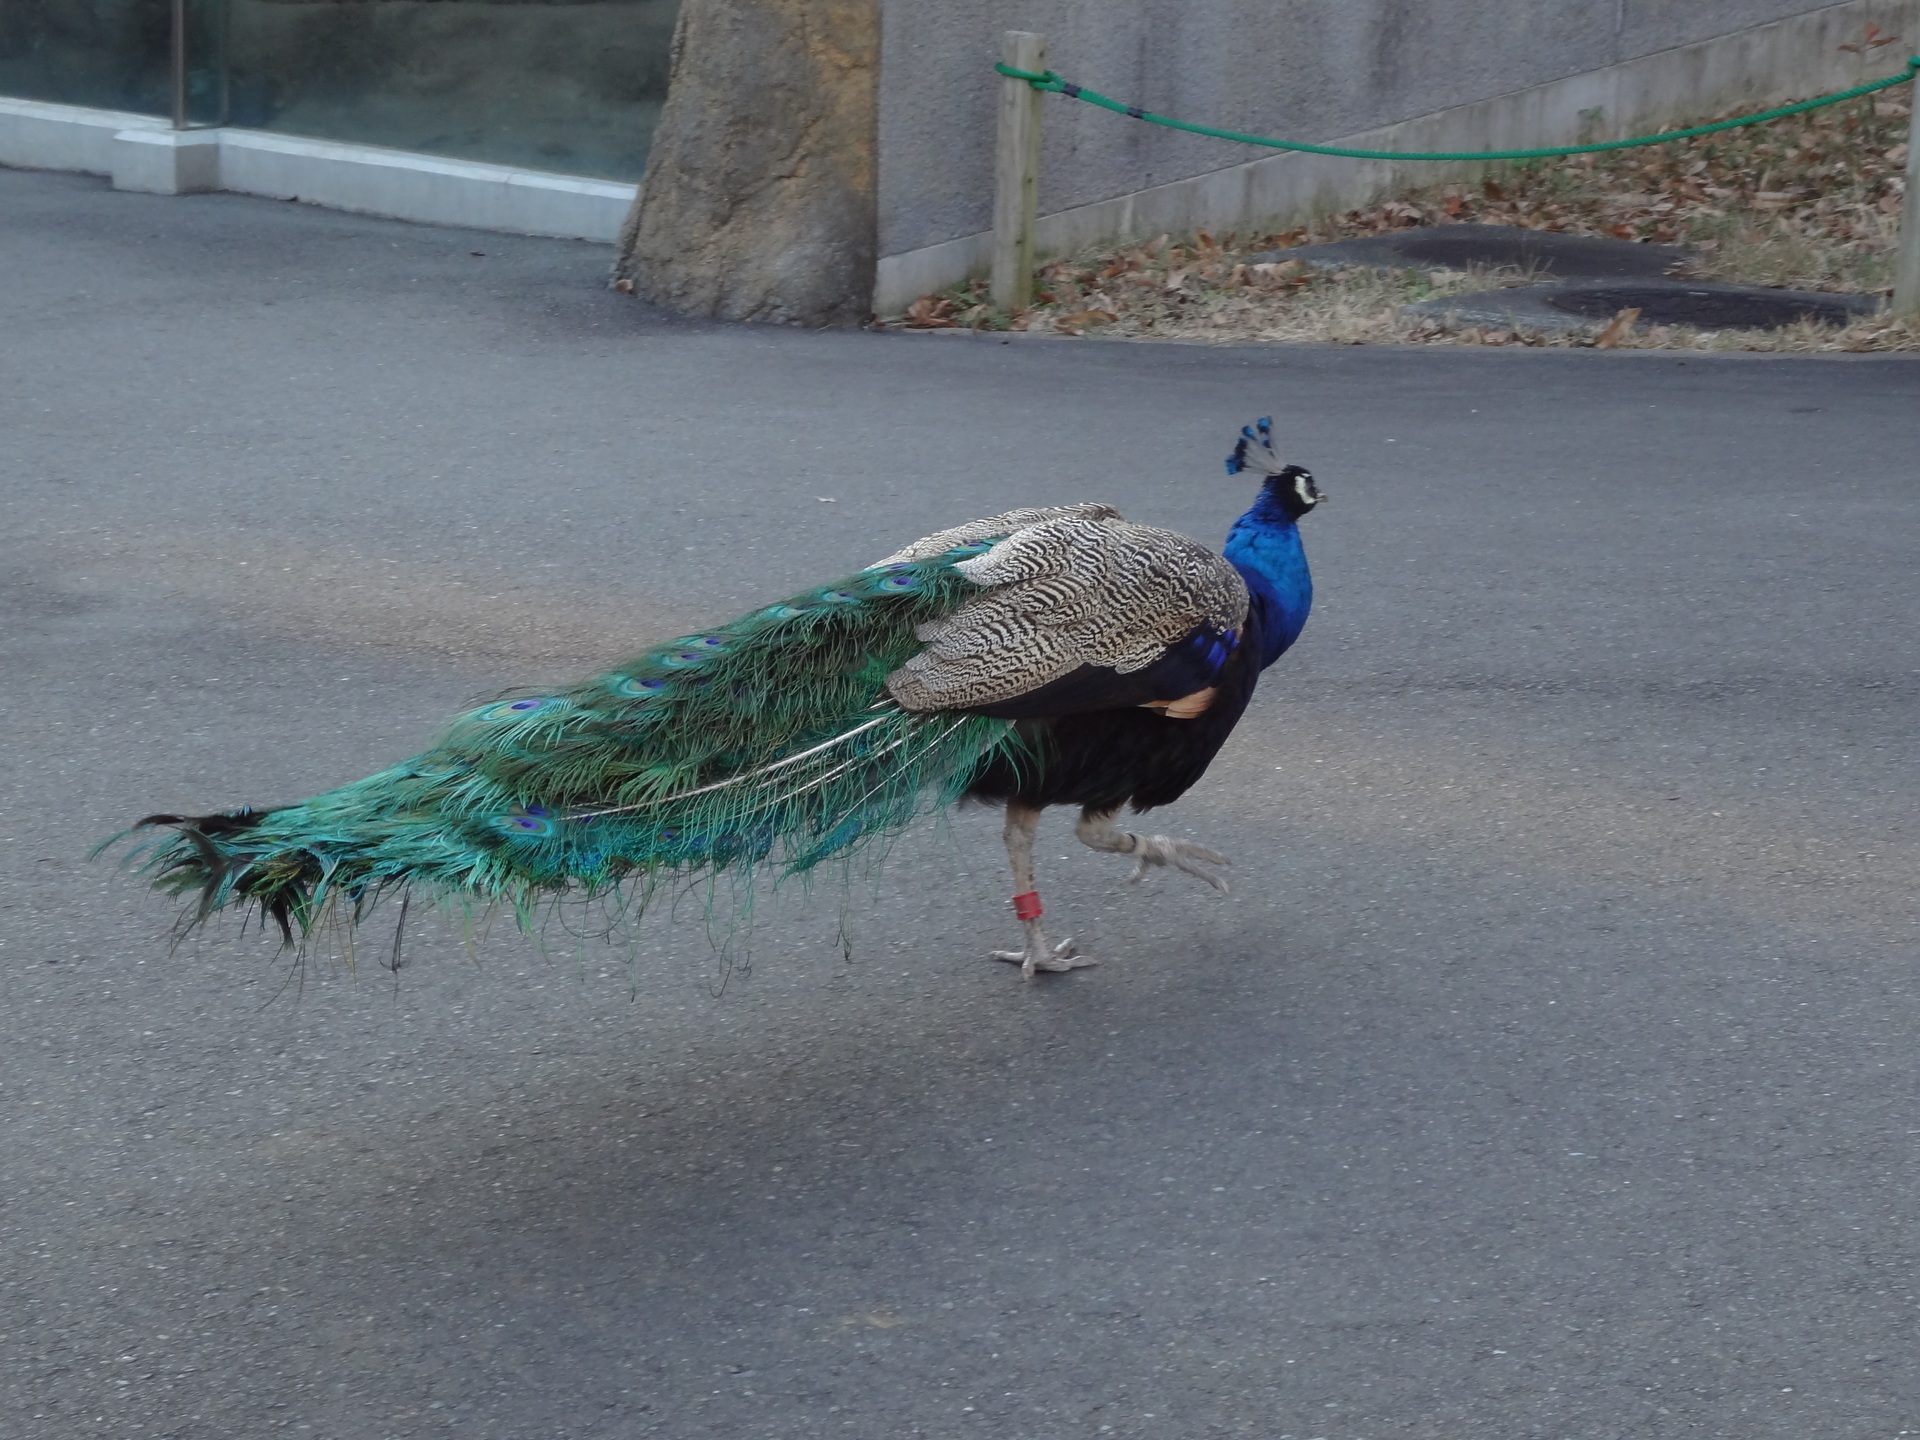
column 1551, row 1071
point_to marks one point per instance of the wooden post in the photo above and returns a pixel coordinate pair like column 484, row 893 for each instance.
column 1906, row 267
column 1016, row 173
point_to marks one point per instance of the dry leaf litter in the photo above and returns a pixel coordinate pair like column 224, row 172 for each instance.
column 1808, row 202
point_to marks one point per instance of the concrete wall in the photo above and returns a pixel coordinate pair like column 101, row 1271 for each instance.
column 1320, row 71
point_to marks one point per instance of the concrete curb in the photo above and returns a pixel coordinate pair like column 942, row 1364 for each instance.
column 142, row 153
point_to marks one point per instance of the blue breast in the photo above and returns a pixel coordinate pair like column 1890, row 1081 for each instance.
column 1264, row 546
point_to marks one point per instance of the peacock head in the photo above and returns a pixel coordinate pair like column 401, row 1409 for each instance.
column 1293, row 487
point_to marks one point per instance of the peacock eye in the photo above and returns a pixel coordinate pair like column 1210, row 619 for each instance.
column 639, row 688
column 513, row 709
column 534, row 820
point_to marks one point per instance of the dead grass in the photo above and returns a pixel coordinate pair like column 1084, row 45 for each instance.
column 1809, row 202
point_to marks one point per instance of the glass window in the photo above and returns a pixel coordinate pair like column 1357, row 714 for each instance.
column 571, row 87
column 108, row 54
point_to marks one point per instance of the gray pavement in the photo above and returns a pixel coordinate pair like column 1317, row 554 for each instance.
column 1551, row 1071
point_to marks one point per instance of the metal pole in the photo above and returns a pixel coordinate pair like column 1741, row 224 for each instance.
column 1016, row 177
column 1906, row 268
column 179, row 64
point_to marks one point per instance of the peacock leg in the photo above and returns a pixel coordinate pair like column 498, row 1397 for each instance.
column 1097, row 830
column 1022, row 821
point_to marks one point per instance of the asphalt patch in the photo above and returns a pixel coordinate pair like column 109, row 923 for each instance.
column 1593, row 279
column 1464, row 247
column 1709, row 306
column 1723, row 307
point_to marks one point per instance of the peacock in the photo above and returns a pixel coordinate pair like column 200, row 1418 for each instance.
column 1048, row 656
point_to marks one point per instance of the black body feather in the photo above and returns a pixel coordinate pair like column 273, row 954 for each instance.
column 1103, row 759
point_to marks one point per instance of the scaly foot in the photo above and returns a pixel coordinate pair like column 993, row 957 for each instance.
column 1098, row 832
column 1181, row 855
column 1039, row 955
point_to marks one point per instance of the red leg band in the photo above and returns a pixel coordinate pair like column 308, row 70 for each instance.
column 1027, row 906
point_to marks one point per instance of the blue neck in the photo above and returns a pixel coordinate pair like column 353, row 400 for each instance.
column 1264, row 546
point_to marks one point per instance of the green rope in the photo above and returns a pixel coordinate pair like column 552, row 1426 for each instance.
column 1047, row 80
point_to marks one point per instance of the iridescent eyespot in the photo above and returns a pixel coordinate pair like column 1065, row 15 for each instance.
column 899, row 582
column 514, row 709
column 678, row 658
column 783, row 612
column 838, row 596
column 627, row 685
column 534, row 823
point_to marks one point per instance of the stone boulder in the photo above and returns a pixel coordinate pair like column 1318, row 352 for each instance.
column 759, row 197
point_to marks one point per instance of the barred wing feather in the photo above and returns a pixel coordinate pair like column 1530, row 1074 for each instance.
column 994, row 527
column 1073, row 592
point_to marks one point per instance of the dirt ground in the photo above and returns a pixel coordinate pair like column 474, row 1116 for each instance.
column 1807, row 202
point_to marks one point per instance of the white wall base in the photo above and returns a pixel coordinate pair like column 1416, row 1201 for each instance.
column 1754, row 68
column 406, row 186
column 38, row 136
column 145, row 154
column 166, row 162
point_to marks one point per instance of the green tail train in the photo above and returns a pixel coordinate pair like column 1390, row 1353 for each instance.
column 771, row 739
